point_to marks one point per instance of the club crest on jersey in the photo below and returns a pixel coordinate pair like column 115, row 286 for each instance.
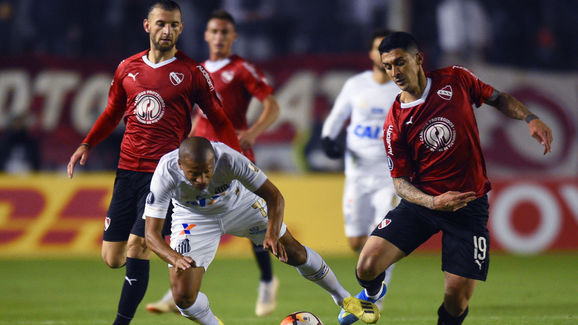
column 445, row 92
column 227, row 76
column 384, row 223
column 438, row 134
column 176, row 78
column 149, row 107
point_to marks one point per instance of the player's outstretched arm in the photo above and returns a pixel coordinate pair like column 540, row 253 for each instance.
column 448, row 201
column 81, row 154
column 275, row 209
column 513, row 108
column 154, row 240
column 268, row 116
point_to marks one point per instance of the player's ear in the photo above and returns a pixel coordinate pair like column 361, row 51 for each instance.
column 419, row 58
column 146, row 25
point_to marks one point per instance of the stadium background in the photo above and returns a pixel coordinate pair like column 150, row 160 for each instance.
column 57, row 59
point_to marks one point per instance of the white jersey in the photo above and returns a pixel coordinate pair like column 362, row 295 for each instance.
column 233, row 182
column 366, row 103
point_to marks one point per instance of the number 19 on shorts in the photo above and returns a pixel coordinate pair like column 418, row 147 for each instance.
column 480, row 249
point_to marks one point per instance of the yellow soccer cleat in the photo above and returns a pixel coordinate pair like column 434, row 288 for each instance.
column 366, row 311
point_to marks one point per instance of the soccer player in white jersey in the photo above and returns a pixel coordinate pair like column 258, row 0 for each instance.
column 369, row 193
column 216, row 190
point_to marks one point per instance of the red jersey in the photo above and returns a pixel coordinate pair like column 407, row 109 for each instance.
column 435, row 140
column 236, row 83
column 156, row 101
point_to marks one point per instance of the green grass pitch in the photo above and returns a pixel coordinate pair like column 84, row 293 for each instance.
column 520, row 290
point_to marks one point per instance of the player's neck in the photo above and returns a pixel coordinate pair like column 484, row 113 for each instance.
column 156, row 56
column 416, row 91
column 380, row 76
column 215, row 56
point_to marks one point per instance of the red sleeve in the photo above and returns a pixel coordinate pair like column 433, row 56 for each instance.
column 255, row 82
column 398, row 157
column 206, row 98
column 113, row 113
column 479, row 91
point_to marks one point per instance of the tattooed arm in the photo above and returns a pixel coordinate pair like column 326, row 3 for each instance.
column 448, row 201
column 514, row 109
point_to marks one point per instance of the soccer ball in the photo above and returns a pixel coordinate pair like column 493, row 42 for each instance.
column 301, row 318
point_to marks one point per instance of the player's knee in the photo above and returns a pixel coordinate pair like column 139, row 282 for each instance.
column 456, row 298
column 113, row 261
column 366, row 268
column 137, row 248
column 184, row 299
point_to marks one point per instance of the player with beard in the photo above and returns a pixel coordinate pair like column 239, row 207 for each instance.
column 237, row 81
column 155, row 90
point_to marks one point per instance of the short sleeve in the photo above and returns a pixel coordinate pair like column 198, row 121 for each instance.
column 478, row 90
column 161, row 193
column 255, row 82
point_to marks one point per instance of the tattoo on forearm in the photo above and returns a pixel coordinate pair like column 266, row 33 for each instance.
column 411, row 193
column 511, row 107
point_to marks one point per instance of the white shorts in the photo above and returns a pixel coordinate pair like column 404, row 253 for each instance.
column 202, row 240
column 366, row 201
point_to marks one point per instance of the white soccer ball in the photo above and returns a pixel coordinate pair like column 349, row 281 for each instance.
column 301, row 318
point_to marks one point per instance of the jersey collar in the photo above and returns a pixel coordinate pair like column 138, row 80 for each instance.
column 421, row 100
column 157, row 65
column 213, row 66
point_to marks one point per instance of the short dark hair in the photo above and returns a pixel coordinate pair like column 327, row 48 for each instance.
column 197, row 149
column 222, row 14
column 168, row 5
column 378, row 33
column 398, row 40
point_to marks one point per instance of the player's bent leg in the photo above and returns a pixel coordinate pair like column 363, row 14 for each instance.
column 313, row 268
column 114, row 253
column 192, row 303
column 377, row 255
column 457, row 293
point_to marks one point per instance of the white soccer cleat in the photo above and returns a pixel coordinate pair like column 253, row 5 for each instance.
column 165, row 305
column 267, row 300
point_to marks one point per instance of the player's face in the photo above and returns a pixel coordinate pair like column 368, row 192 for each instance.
column 220, row 35
column 198, row 173
column 374, row 54
column 164, row 28
column 403, row 67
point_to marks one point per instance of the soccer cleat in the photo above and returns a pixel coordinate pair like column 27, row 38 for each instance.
column 220, row 321
column 363, row 310
column 347, row 316
column 165, row 305
column 267, row 300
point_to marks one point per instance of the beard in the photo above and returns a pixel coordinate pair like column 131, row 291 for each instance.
column 164, row 47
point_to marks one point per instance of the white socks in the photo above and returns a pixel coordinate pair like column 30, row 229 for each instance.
column 315, row 269
column 200, row 311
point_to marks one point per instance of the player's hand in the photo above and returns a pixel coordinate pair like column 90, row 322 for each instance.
column 331, row 148
column 276, row 248
column 182, row 263
column 452, row 200
column 81, row 154
column 246, row 139
column 542, row 133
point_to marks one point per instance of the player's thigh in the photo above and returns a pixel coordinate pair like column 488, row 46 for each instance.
column 122, row 211
column 196, row 236
column 250, row 219
column 466, row 241
column 358, row 211
column 185, row 285
column 377, row 255
column 141, row 187
column 407, row 226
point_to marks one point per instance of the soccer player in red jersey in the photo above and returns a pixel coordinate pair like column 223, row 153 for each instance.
column 435, row 157
column 155, row 91
column 237, row 81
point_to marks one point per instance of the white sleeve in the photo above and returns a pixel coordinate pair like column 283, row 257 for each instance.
column 340, row 112
column 161, row 192
column 243, row 170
